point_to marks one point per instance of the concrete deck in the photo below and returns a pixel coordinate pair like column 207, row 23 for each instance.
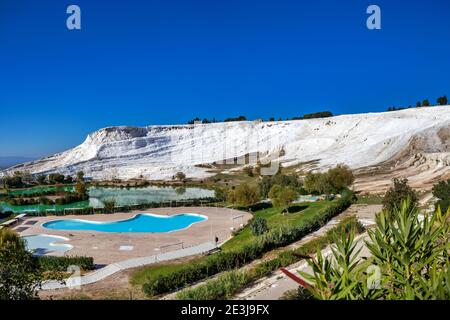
column 105, row 248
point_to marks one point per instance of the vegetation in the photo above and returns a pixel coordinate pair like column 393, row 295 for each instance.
column 259, row 226
column 335, row 180
column 321, row 114
column 247, row 252
column 244, row 195
column 53, row 263
column 109, row 204
column 441, row 191
column 282, row 197
column 240, row 118
column 20, row 275
column 180, row 176
column 442, row 101
column 398, row 193
column 410, row 260
column 231, row 282
column 280, row 179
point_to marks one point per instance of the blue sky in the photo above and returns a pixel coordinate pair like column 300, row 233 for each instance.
column 165, row 62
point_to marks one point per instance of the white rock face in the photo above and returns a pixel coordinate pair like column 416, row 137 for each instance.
column 158, row 152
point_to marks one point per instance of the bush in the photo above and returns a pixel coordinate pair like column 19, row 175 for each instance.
column 259, row 226
column 335, row 180
column 268, row 182
column 225, row 261
column 398, row 193
column 244, row 195
column 52, row 263
column 282, row 197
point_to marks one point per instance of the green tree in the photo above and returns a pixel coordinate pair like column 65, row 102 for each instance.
column 244, row 195
column 335, row 180
column 259, row 226
column 426, row 103
column 442, row 101
column 80, row 175
column 441, row 191
column 55, row 178
column 418, row 104
column 20, row 274
column 41, row 179
column 180, row 176
column 282, row 197
column 80, row 187
column 398, row 193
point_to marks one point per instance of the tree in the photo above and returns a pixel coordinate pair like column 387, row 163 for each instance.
column 418, row 104
column 80, row 187
column 442, row 101
column 259, row 226
column 426, row 103
column 244, row 195
column 335, row 180
column 80, row 175
column 180, row 176
column 55, row 178
column 20, row 274
column 109, row 204
column 41, row 179
column 398, row 193
column 441, row 191
column 280, row 179
column 282, row 197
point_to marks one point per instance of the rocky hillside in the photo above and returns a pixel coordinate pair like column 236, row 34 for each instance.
column 414, row 141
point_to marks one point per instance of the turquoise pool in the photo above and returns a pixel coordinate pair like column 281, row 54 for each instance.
column 146, row 222
column 41, row 244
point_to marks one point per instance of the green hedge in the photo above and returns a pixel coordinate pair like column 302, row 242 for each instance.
column 52, row 263
column 225, row 261
column 231, row 282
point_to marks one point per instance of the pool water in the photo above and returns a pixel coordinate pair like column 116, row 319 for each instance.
column 42, row 244
column 140, row 223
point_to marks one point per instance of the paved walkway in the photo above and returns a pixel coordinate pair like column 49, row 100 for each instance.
column 128, row 264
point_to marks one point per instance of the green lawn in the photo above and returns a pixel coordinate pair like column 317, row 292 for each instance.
column 370, row 199
column 302, row 212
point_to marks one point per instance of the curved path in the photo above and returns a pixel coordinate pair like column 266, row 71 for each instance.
column 113, row 268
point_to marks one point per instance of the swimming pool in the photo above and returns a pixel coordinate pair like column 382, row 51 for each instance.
column 42, row 244
column 146, row 222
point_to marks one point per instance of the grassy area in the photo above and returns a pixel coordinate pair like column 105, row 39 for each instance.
column 302, row 212
column 370, row 199
column 140, row 276
column 274, row 218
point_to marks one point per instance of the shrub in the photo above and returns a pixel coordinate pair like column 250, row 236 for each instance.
column 398, row 193
column 53, row 263
column 282, row 197
column 225, row 261
column 244, row 195
column 180, row 176
column 259, row 226
column 268, row 182
column 20, row 276
column 335, row 180
column 411, row 255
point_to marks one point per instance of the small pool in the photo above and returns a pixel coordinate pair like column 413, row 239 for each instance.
column 42, row 244
column 146, row 222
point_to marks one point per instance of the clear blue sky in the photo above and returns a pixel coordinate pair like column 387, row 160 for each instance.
column 166, row 61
